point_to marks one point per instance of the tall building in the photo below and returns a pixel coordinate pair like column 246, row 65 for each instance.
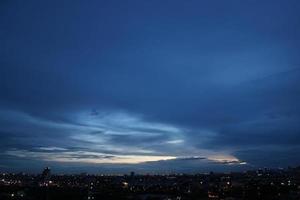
column 46, row 174
column 131, row 174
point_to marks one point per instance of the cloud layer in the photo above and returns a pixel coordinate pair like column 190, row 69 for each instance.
column 149, row 85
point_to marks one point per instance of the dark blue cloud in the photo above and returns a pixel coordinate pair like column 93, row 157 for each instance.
column 217, row 80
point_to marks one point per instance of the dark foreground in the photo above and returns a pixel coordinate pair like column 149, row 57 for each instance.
column 260, row 184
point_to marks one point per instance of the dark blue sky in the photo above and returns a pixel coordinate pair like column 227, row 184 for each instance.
column 150, row 86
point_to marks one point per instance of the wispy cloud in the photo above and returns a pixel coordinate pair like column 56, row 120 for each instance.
column 51, row 148
column 85, row 157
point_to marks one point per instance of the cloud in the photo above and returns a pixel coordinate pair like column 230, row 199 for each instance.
column 176, row 85
column 72, row 159
column 84, row 157
column 51, row 148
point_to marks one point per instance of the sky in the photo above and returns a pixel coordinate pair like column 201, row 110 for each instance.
column 150, row 86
